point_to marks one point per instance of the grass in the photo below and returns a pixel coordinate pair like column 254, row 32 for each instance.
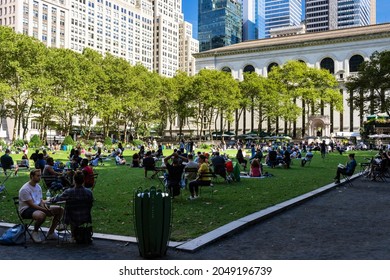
column 113, row 209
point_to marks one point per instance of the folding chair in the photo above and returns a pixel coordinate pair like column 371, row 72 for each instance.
column 347, row 178
column 380, row 171
column 207, row 175
column 3, row 188
column 25, row 222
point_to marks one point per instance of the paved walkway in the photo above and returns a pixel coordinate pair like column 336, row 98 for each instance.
column 339, row 223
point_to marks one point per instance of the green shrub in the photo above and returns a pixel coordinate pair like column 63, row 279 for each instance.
column 3, row 144
column 107, row 142
column 137, row 142
column 205, row 146
column 35, row 142
column 68, row 140
column 18, row 143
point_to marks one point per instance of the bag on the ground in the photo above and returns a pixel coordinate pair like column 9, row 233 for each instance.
column 83, row 234
column 13, row 236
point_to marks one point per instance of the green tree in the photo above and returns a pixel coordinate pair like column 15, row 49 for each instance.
column 20, row 71
column 372, row 84
column 214, row 91
column 261, row 93
column 314, row 87
column 93, row 86
column 183, row 106
column 66, row 82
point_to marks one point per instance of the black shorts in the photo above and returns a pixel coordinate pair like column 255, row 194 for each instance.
column 27, row 213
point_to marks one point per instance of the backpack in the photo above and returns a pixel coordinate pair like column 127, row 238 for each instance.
column 13, row 236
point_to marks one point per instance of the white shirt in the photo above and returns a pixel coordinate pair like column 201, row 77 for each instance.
column 29, row 192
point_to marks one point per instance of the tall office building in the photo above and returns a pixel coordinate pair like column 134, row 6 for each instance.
column 43, row 20
column 282, row 13
column 324, row 15
column 140, row 31
column 253, row 16
column 187, row 46
column 123, row 28
column 167, row 16
column 219, row 23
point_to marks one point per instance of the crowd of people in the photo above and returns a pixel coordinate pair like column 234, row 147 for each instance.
column 183, row 167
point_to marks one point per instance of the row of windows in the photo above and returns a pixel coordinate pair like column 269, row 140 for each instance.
column 8, row 10
column 327, row 63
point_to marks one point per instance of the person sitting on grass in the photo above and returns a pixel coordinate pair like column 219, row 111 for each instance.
column 348, row 170
column 25, row 162
column 241, row 158
column 308, row 157
column 32, row 206
column 255, row 169
column 136, row 162
column 119, row 160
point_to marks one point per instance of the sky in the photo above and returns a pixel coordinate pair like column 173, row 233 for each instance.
column 190, row 10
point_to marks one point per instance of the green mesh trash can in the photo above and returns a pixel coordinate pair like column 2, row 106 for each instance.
column 152, row 221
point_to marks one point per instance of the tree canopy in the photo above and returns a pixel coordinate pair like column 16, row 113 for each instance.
column 108, row 95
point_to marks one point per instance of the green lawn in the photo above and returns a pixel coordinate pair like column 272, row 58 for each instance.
column 113, row 208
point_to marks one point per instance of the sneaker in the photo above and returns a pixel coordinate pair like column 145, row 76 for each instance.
column 36, row 237
column 52, row 236
column 192, row 197
column 337, row 182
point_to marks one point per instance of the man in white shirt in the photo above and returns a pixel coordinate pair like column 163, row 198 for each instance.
column 32, row 206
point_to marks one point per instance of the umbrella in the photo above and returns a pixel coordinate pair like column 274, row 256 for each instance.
column 373, row 136
column 384, row 135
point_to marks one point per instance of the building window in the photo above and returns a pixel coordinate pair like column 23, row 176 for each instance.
column 271, row 65
column 249, row 68
column 355, row 62
column 328, row 64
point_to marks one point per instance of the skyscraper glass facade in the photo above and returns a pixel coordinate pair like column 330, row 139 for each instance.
column 219, row 23
column 282, row 13
column 253, row 19
column 324, row 15
column 353, row 13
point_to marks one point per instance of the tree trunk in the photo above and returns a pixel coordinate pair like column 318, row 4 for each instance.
column 303, row 118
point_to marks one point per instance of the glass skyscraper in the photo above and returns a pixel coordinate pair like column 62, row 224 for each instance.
column 282, row 13
column 353, row 13
column 219, row 23
column 324, row 15
column 253, row 19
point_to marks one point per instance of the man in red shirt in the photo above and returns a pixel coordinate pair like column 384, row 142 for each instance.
column 87, row 170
